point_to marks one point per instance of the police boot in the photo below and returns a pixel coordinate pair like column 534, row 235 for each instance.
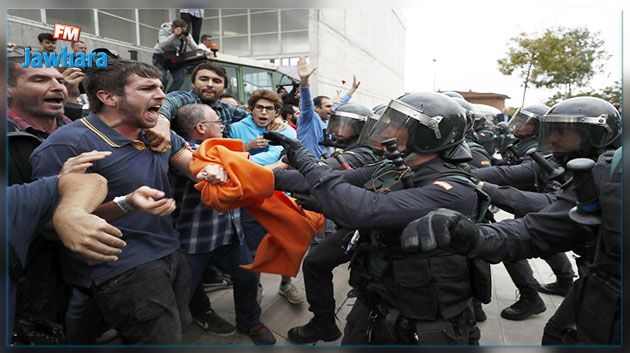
column 559, row 287
column 480, row 315
column 321, row 327
column 527, row 305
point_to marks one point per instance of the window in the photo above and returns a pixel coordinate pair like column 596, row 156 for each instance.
column 255, row 78
column 115, row 28
column 294, row 20
column 153, row 17
column 226, row 12
column 211, row 27
column 210, row 13
column 82, row 18
column 234, row 26
column 296, row 42
column 232, row 88
column 264, row 22
column 28, row 14
column 265, row 44
column 126, row 13
column 235, row 45
column 148, row 36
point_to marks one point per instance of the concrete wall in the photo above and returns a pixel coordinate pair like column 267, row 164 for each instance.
column 24, row 33
column 369, row 43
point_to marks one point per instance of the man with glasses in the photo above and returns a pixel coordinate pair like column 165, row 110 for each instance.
column 209, row 237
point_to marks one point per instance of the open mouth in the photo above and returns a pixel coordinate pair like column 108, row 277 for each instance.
column 153, row 112
column 55, row 101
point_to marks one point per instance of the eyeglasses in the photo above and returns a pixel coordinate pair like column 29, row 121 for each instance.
column 260, row 108
column 218, row 122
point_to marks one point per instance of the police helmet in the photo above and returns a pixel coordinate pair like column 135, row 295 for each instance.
column 526, row 120
column 371, row 121
column 422, row 122
column 578, row 127
column 346, row 122
column 453, row 94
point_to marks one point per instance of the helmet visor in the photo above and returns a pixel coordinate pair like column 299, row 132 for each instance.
column 345, row 125
column 397, row 121
column 523, row 123
column 566, row 133
column 369, row 124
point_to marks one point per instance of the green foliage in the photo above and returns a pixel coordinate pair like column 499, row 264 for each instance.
column 559, row 58
column 611, row 93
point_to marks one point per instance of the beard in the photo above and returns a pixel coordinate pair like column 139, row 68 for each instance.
column 32, row 107
column 133, row 115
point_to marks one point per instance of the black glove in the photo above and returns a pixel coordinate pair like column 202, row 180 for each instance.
column 441, row 228
column 297, row 155
column 308, row 202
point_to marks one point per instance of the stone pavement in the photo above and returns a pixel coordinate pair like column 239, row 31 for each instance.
column 279, row 315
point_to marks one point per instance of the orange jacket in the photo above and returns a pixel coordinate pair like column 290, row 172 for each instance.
column 251, row 186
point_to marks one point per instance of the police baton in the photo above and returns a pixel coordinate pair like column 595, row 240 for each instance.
column 553, row 172
column 586, row 211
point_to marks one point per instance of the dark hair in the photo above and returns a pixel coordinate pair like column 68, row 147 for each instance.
column 281, row 88
column 217, row 69
column 204, row 36
column 45, row 35
column 187, row 118
column 75, row 43
column 114, row 78
column 179, row 23
column 264, row 94
column 287, row 109
column 317, row 101
column 14, row 69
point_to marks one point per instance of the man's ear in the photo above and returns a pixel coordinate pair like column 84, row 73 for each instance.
column 107, row 98
column 200, row 128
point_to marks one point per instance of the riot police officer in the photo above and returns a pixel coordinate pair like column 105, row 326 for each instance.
column 590, row 313
column 482, row 124
column 346, row 123
column 503, row 136
column 401, row 298
column 480, row 156
column 525, row 123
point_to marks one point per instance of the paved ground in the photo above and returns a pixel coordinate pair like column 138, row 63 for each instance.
column 279, row 315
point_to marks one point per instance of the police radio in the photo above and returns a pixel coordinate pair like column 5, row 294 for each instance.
column 586, row 211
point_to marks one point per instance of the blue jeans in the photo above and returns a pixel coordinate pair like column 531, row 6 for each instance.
column 148, row 303
column 227, row 259
column 179, row 75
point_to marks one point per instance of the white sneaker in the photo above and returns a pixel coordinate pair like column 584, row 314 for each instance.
column 293, row 295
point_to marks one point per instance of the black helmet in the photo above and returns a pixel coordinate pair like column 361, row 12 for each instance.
column 502, row 127
column 453, row 94
column 483, row 115
column 528, row 115
column 469, row 111
column 346, row 122
column 578, row 127
column 371, row 121
column 422, row 122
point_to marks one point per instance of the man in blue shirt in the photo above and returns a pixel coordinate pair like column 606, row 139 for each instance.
column 144, row 294
column 265, row 106
column 314, row 114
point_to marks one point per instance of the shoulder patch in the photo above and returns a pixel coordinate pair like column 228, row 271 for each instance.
column 485, row 162
column 443, row 184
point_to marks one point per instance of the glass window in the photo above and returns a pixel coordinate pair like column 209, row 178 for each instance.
column 211, row 27
column 153, row 17
column 210, row 13
column 296, row 42
column 234, row 26
column 81, row 18
column 225, row 12
column 148, row 36
column 293, row 61
column 232, row 88
column 294, row 20
column 115, row 28
column 265, row 44
column 29, row 14
column 264, row 22
column 255, row 78
column 284, row 62
column 235, row 45
column 251, row 11
column 126, row 13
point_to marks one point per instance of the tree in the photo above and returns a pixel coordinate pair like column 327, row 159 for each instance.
column 611, row 94
column 560, row 58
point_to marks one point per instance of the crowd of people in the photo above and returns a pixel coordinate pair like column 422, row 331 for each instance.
column 156, row 197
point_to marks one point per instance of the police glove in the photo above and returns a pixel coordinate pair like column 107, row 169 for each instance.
column 442, row 228
column 297, row 155
column 308, row 202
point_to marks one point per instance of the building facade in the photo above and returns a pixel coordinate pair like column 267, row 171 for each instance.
column 340, row 42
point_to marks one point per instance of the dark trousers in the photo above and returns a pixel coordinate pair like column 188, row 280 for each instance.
column 317, row 269
column 564, row 317
column 227, row 259
column 179, row 74
column 149, row 303
column 194, row 24
column 254, row 232
column 523, row 277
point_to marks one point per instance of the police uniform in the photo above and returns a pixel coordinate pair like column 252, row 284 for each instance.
column 515, row 152
column 594, row 299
